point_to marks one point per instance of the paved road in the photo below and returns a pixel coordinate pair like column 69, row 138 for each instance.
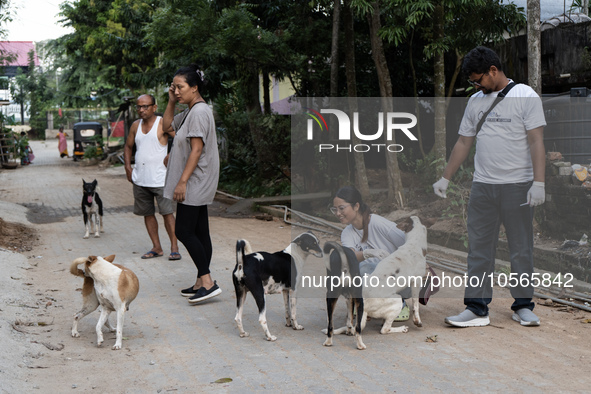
column 171, row 346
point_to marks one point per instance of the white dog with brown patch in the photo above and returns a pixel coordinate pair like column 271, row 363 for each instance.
column 109, row 285
column 405, row 267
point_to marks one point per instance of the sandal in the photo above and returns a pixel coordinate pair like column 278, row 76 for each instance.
column 404, row 313
column 151, row 254
column 174, row 256
column 429, row 288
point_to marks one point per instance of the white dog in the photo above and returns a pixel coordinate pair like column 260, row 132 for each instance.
column 109, row 285
column 400, row 269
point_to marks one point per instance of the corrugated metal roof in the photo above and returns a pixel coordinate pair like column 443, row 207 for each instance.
column 21, row 49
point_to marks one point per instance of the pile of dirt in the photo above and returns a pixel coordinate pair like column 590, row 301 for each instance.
column 17, row 237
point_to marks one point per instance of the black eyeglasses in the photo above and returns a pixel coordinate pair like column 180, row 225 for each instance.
column 477, row 82
column 144, row 107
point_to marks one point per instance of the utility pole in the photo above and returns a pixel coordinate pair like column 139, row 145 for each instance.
column 534, row 51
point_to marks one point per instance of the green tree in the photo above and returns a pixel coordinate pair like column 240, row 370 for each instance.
column 237, row 43
column 18, row 91
column 40, row 97
column 111, row 34
column 72, row 78
column 446, row 26
column 30, row 91
column 5, row 16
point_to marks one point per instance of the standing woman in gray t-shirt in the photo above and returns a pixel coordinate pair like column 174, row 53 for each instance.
column 192, row 174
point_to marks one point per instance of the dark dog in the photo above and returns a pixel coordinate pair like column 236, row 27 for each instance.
column 92, row 206
column 264, row 273
column 343, row 264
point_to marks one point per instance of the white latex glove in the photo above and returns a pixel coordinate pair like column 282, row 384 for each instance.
column 536, row 195
column 379, row 253
column 440, row 187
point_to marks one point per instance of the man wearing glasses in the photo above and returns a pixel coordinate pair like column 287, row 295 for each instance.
column 148, row 174
column 508, row 182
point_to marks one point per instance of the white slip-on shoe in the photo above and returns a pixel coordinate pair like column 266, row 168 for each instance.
column 467, row 319
column 525, row 317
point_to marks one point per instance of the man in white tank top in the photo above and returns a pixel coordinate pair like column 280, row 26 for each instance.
column 148, row 174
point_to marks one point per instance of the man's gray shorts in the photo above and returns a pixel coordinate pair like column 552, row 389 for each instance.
column 144, row 201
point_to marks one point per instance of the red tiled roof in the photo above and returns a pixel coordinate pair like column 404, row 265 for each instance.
column 21, row 49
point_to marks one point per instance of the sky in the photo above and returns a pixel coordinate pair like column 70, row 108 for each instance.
column 35, row 20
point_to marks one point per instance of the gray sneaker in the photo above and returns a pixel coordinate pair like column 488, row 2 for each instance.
column 525, row 317
column 468, row 319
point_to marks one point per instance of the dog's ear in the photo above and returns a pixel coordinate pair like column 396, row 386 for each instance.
column 90, row 260
column 83, row 181
column 110, row 258
column 94, row 182
column 428, row 222
column 405, row 225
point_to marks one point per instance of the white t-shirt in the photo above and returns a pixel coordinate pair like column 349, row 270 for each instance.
column 502, row 149
column 383, row 234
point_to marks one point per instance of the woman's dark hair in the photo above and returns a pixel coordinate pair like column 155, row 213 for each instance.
column 479, row 60
column 193, row 75
column 351, row 195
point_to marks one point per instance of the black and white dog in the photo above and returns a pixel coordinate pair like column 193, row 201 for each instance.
column 264, row 273
column 343, row 264
column 92, row 206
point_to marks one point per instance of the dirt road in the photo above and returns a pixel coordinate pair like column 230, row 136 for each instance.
column 170, row 346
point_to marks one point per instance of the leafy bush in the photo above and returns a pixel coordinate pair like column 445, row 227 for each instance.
column 95, row 149
column 242, row 179
column 256, row 151
column 22, row 146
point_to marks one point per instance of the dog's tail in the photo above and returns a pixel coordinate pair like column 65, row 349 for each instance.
column 241, row 244
column 74, row 270
column 242, row 248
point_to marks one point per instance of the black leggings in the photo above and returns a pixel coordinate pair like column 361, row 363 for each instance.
column 192, row 229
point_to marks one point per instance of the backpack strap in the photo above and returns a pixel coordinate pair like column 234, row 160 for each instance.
column 499, row 97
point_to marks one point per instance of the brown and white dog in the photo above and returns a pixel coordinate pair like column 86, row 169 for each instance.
column 402, row 268
column 109, row 285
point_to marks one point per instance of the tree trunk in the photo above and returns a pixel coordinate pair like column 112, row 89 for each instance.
column 452, row 83
column 360, row 173
column 266, row 95
column 377, row 49
column 22, row 106
column 334, row 53
column 534, row 62
column 250, row 78
column 415, row 92
column 440, row 102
